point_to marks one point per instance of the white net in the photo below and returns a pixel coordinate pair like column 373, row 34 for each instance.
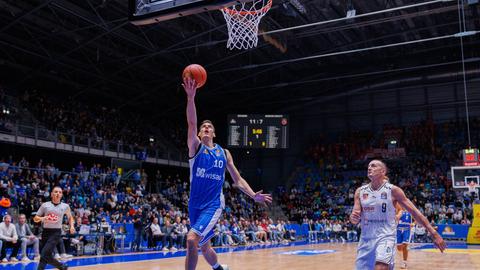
column 242, row 23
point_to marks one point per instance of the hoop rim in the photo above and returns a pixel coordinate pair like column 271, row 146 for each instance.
column 234, row 12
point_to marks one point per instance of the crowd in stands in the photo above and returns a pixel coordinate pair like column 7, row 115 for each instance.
column 325, row 180
column 320, row 197
column 91, row 124
column 100, row 198
column 86, row 121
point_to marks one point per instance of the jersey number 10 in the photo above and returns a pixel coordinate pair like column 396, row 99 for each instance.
column 218, row 163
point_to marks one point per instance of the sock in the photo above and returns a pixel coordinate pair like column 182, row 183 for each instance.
column 217, row 267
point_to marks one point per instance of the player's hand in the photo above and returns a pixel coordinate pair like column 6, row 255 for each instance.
column 190, row 86
column 72, row 230
column 262, row 198
column 439, row 242
column 355, row 216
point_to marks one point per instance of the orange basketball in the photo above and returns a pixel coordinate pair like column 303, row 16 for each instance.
column 196, row 72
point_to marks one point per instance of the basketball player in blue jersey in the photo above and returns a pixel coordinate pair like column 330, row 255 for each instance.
column 375, row 208
column 404, row 227
column 208, row 162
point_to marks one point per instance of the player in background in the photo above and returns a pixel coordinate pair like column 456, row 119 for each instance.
column 375, row 208
column 404, row 233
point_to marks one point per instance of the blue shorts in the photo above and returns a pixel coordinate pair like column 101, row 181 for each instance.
column 403, row 236
column 203, row 222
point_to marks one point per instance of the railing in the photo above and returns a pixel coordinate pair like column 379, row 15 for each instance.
column 14, row 132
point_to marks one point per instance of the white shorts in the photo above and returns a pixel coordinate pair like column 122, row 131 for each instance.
column 371, row 251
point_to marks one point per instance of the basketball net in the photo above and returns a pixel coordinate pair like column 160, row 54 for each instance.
column 472, row 187
column 242, row 23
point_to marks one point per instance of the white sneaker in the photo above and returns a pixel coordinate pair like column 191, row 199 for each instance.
column 403, row 265
column 26, row 259
column 66, row 256
column 13, row 259
column 5, row 260
column 57, row 256
column 173, row 249
column 165, row 249
column 225, row 267
column 37, row 258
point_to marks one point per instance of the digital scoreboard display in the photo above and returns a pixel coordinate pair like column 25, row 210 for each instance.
column 258, row 130
column 470, row 157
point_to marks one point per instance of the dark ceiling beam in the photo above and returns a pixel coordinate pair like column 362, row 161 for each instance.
column 25, row 14
column 54, row 60
column 79, row 12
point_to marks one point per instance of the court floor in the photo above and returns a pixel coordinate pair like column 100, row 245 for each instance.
column 299, row 256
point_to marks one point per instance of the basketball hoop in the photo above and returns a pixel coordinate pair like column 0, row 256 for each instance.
column 242, row 23
column 472, row 187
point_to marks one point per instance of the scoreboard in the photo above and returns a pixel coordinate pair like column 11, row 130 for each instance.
column 470, row 157
column 258, row 130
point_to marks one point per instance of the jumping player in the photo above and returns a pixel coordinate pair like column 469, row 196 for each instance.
column 375, row 208
column 207, row 174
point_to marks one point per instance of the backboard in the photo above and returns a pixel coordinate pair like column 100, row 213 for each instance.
column 143, row 12
column 463, row 175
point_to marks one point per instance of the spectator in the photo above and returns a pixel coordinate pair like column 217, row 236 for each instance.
column 137, row 228
column 27, row 238
column 168, row 236
column 157, row 233
column 109, row 239
column 9, row 237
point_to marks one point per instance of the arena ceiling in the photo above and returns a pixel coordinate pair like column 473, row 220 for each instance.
column 89, row 50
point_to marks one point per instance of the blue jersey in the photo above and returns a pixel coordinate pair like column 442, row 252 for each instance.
column 405, row 220
column 207, row 174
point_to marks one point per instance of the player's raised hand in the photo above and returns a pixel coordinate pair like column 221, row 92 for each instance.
column 262, row 198
column 439, row 242
column 355, row 216
column 190, row 86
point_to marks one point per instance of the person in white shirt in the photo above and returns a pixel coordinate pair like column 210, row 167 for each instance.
column 8, row 234
column 337, row 230
column 420, row 233
column 156, row 231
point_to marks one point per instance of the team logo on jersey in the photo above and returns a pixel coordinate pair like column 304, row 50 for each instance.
column 217, row 152
column 384, row 195
column 205, row 151
column 368, row 209
column 51, row 217
column 365, row 196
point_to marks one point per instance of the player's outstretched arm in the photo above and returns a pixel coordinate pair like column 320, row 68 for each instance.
column 399, row 196
column 190, row 87
column 242, row 183
column 357, row 208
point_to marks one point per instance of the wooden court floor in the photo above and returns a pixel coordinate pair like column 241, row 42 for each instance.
column 342, row 259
